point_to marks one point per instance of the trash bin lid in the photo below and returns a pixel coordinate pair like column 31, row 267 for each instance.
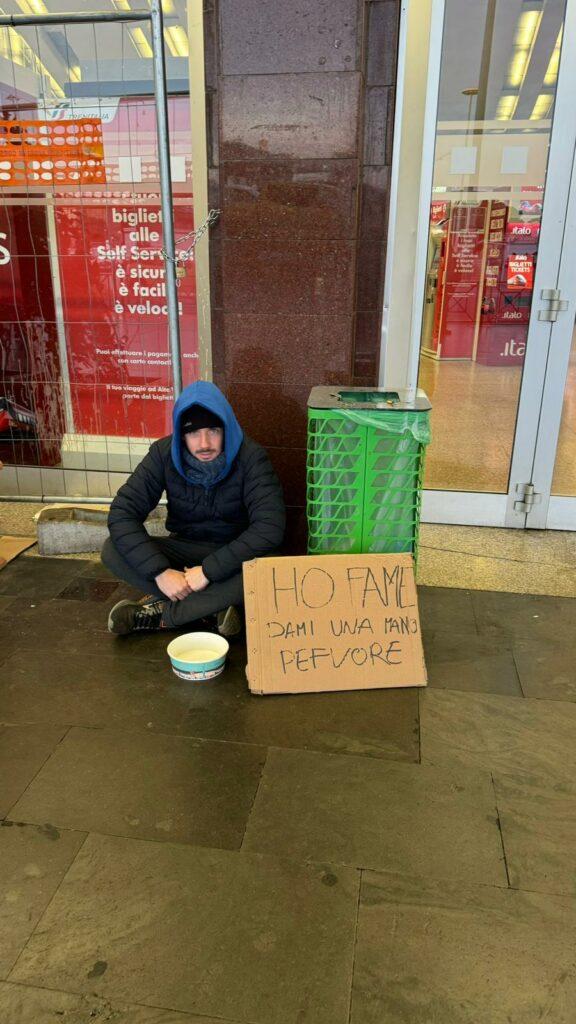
column 330, row 397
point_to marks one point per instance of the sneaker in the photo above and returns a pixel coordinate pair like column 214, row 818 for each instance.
column 134, row 617
column 229, row 622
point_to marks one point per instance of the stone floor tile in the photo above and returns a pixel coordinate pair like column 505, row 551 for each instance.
column 52, row 624
column 23, row 1004
column 32, row 579
column 96, row 570
column 375, row 723
column 212, row 932
column 546, row 547
column 499, row 734
column 479, row 573
column 538, row 821
column 151, row 646
column 432, row 952
column 372, row 814
column 33, row 862
column 150, row 786
column 73, row 627
column 478, row 664
column 110, row 690
column 86, row 589
column 547, row 670
column 446, row 609
column 524, row 616
column 23, row 751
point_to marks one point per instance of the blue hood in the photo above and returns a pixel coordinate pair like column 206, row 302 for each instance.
column 209, row 397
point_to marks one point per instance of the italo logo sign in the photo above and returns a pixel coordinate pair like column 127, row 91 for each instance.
column 517, row 229
column 4, row 252
column 514, row 348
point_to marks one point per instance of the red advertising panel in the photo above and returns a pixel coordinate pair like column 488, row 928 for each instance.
column 494, row 255
column 462, row 281
column 112, row 279
column 114, row 303
column 520, row 272
column 439, row 218
column 439, row 210
column 508, row 284
column 519, row 231
column 31, row 417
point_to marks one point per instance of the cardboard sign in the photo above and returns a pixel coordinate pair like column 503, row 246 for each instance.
column 332, row 622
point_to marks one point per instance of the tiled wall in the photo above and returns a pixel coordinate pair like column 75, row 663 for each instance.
column 300, row 107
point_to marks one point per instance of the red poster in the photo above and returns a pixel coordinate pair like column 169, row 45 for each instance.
column 439, row 210
column 114, row 303
column 520, row 272
column 112, row 279
column 462, row 281
column 494, row 256
column 509, row 279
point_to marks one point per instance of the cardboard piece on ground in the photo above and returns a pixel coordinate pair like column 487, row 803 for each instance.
column 66, row 512
column 12, row 546
column 332, row 622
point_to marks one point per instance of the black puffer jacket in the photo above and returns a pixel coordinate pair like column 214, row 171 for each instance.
column 244, row 512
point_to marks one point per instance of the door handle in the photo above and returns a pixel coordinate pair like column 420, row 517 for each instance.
column 554, row 304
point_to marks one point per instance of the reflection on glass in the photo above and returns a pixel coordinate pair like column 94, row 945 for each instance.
column 85, row 372
column 497, row 90
column 564, row 480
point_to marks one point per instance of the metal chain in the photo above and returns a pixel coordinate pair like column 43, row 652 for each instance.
column 197, row 235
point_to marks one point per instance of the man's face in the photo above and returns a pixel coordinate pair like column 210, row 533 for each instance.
column 205, row 444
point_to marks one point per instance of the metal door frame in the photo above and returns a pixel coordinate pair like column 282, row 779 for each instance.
column 544, row 359
column 556, row 512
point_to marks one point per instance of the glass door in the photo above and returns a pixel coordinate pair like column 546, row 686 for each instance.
column 503, row 162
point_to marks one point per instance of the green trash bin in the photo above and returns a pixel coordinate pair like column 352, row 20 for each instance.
column 364, row 470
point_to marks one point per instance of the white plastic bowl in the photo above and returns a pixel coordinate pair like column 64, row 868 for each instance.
column 198, row 656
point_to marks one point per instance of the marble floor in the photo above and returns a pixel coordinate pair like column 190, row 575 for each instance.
column 178, row 855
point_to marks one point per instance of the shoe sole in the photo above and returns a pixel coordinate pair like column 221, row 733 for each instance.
column 111, row 629
column 231, row 624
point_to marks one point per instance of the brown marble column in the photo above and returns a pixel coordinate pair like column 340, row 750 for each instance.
column 300, row 107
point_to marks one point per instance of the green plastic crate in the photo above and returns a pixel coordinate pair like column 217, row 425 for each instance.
column 364, row 470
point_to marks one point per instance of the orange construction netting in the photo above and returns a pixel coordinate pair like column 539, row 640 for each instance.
column 52, row 152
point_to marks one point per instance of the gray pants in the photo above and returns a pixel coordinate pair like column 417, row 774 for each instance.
column 180, row 553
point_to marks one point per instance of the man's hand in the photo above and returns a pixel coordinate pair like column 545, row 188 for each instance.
column 173, row 584
column 195, row 578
